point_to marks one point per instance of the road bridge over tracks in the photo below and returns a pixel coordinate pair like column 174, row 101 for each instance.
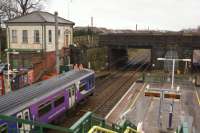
column 161, row 44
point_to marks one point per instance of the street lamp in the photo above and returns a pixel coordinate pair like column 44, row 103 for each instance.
column 8, row 62
column 173, row 66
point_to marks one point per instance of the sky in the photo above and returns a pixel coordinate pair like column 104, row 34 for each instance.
column 125, row 14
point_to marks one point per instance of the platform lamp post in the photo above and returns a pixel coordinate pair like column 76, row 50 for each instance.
column 173, row 66
column 8, row 64
column 172, row 86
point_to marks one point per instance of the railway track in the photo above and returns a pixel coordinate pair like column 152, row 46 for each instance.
column 107, row 88
column 116, row 74
column 104, row 108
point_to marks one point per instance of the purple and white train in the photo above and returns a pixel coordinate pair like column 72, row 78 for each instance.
column 46, row 100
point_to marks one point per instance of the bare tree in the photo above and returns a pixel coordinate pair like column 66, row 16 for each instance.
column 27, row 6
column 12, row 8
column 8, row 9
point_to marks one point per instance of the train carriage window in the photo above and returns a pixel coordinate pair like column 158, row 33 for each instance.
column 4, row 128
column 44, row 108
column 19, row 125
column 82, row 87
column 26, row 115
column 59, row 101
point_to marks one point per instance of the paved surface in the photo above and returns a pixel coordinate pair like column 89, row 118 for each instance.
column 118, row 112
column 146, row 109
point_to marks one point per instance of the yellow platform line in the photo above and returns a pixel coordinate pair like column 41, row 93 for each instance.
column 197, row 95
column 136, row 98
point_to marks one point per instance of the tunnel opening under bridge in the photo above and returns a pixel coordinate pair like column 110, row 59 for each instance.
column 129, row 57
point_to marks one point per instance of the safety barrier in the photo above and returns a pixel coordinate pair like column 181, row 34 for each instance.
column 88, row 123
column 83, row 125
column 34, row 127
column 89, row 120
column 97, row 129
column 130, row 130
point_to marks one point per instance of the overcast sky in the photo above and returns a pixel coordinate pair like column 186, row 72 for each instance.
column 125, row 14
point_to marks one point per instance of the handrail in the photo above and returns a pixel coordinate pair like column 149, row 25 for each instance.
column 130, row 130
column 97, row 129
column 34, row 123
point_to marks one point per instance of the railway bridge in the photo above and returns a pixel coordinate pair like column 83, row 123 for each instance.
column 179, row 44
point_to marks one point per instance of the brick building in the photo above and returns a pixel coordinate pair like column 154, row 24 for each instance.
column 33, row 37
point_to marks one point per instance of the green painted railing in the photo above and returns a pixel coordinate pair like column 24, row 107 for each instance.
column 89, row 120
column 83, row 125
column 36, row 126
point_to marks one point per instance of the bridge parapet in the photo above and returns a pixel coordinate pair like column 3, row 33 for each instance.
column 159, row 43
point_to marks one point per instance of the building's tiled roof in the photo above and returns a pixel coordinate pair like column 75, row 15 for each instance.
column 39, row 17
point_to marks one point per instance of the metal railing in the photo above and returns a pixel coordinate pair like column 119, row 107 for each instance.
column 34, row 127
column 83, row 125
column 88, row 123
column 98, row 129
column 130, row 130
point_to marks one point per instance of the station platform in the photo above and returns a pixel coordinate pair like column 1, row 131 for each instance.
column 136, row 107
column 125, row 103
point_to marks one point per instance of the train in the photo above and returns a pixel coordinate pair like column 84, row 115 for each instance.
column 45, row 101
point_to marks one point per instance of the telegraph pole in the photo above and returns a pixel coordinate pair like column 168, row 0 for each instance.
column 92, row 31
column 56, row 44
